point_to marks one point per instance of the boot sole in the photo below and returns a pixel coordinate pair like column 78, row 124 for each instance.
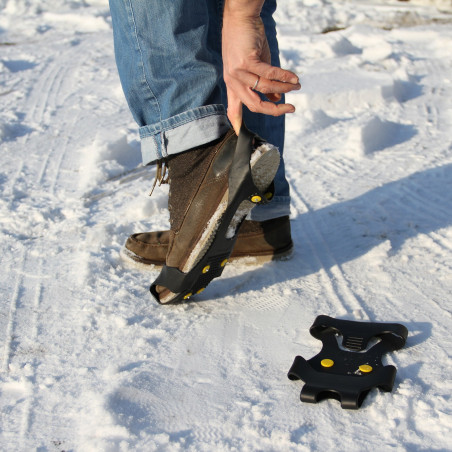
column 132, row 260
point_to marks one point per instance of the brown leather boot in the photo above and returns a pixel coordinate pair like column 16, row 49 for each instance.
column 257, row 243
column 212, row 189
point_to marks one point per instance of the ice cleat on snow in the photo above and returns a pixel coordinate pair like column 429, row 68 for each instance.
column 347, row 373
column 243, row 195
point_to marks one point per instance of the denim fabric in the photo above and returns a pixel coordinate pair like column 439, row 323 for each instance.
column 168, row 55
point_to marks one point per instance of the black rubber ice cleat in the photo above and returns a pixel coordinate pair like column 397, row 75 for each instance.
column 349, row 372
column 211, row 265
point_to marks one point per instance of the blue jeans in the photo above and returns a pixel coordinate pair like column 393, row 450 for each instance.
column 169, row 61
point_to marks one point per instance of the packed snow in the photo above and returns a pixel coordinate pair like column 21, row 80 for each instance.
column 89, row 362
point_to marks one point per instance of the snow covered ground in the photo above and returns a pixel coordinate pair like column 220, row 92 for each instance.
column 89, row 362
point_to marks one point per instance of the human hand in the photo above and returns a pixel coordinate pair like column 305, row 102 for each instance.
column 247, row 68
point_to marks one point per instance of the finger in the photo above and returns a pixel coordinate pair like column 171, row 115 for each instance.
column 269, row 108
column 264, row 85
column 255, row 104
column 270, row 72
column 234, row 111
column 271, row 87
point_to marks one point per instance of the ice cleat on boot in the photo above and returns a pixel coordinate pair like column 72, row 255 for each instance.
column 238, row 176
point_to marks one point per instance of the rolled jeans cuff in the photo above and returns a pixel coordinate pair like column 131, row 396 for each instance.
column 183, row 132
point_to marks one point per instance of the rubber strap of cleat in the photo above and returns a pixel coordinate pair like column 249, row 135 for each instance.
column 241, row 187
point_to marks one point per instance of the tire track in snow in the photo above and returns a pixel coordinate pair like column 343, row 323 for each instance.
column 50, row 89
column 28, row 405
column 39, row 97
column 60, row 145
column 63, row 145
column 338, row 166
column 442, row 242
column 23, row 327
column 334, row 280
column 86, row 106
column 12, row 315
column 420, row 200
column 438, row 244
column 50, row 84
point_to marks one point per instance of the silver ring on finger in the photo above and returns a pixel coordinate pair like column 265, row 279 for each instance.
column 256, row 83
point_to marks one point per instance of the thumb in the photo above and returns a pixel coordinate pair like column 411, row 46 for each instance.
column 235, row 111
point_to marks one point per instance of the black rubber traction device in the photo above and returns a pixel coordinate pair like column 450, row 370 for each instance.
column 349, row 372
column 241, row 187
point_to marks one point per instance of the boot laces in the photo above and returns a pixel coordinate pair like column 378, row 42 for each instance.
column 161, row 175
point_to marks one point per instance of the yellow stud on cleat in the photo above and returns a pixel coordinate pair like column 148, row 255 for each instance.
column 269, row 195
column 201, row 290
column 223, row 263
column 206, row 269
column 256, row 199
column 187, row 296
column 327, row 363
column 365, row 368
